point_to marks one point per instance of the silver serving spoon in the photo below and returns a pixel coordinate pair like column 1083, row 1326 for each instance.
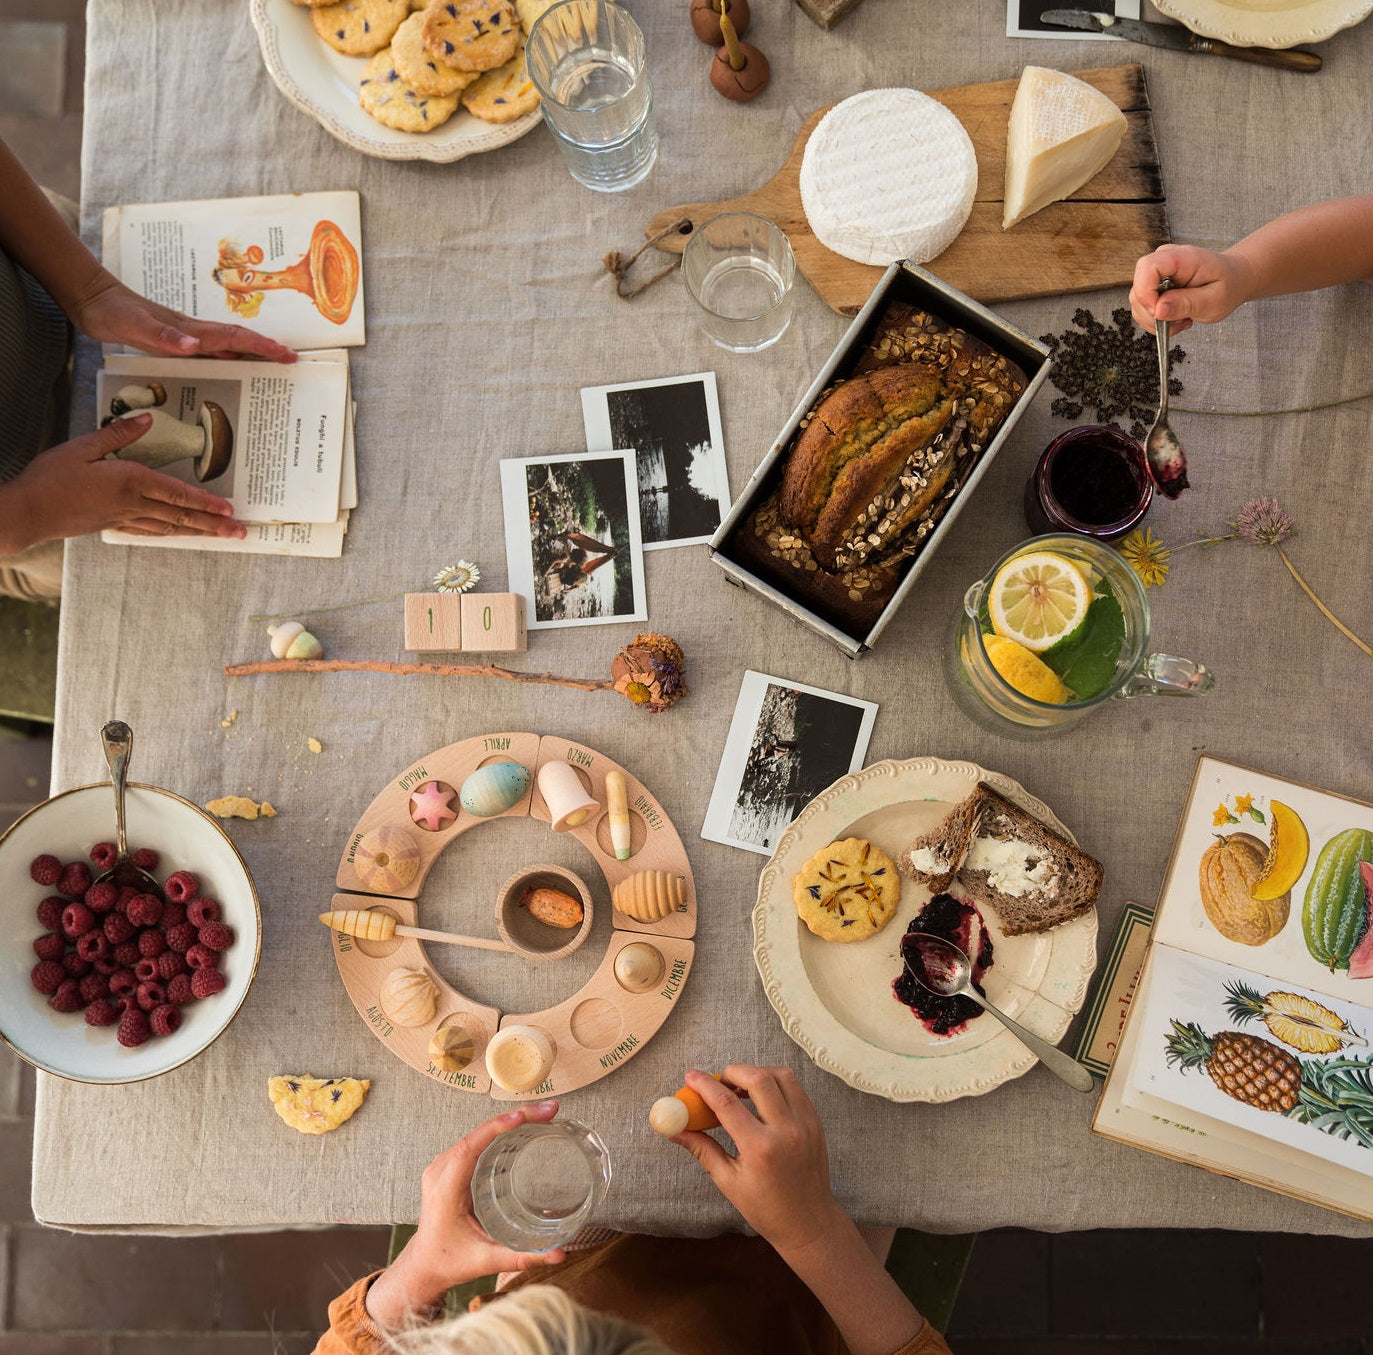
column 946, row 970
column 1167, row 460
column 116, row 738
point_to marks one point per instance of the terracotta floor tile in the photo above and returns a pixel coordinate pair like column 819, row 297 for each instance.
column 1006, row 1289
column 16, row 1150
column 29, row 1343
column 1315, row 1286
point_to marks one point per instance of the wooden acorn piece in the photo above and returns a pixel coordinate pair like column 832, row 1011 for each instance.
column 705, row 18
column 740, row 71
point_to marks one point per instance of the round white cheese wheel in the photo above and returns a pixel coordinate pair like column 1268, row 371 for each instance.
column 888, row 174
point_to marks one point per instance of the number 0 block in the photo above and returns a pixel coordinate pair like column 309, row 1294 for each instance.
column 493, row 623
column 433, row 622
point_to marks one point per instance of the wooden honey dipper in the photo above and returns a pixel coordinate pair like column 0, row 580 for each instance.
column 367, row 924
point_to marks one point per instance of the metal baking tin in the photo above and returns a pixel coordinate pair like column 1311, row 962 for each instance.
column 907, row 282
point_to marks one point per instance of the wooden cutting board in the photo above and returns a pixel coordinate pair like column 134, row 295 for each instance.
column 1089, row 241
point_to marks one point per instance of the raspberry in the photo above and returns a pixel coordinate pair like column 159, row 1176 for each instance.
column 181, row 885
column 146, row 970
column 217, row 936
column 202, row 957
column 173, row 915
column 76, row 919
column 106, row 966
column 151, row 994
column 144, row 910
column 151, row 943
column 46, row 870
column 49, row 947
column 133, row 1028
column 103, row 855
column 75, row 879
column 170, row 963
column 202, row 910
column 94, row 986
column 179, row 989
column 67, row 998
column 50, row 913
column 102, row 1012
column 181, row 937
column 165, row 1019
column 126, row 892
column 207, row 981
column 93, row 945
column 145, row 858
column 75, row 966
column 118, row 928
column 127, row 954
column 46, row 975
column 123, row 982
column 100, row 898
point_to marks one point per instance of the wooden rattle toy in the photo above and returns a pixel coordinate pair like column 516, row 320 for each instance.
column 740, row 71
column 370, row 925
column 684, row 1110
column 705, row 18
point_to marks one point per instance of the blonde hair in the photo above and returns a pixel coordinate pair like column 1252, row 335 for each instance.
column 537, row 1319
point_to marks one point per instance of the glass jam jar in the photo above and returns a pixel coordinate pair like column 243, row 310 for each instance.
column 1093, row 480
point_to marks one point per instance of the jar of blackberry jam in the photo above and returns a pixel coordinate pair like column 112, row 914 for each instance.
column 1093, row 480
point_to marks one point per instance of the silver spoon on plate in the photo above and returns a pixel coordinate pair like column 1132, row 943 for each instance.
column 940, row 966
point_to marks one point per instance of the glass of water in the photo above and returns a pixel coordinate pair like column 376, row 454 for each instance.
column 739, row 269
column 537, row 1185
column 586, row 59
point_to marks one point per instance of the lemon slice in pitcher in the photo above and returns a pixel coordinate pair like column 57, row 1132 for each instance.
column 1026, row 672
column 1037, row 599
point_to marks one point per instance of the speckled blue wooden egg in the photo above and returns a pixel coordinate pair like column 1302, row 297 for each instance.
column 493, row 789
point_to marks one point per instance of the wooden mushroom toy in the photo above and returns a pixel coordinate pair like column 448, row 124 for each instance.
column 740, row 71
column 705, row 18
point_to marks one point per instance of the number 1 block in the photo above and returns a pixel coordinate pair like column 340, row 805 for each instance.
column 493, row 623
column 433, row 622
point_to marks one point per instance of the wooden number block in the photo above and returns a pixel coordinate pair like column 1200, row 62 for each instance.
column 433, row 622
column 493, row 623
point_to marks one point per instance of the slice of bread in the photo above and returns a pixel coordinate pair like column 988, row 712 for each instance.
column 1006, row 859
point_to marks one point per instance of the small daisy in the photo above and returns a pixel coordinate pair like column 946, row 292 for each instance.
column 1147, row 556
column 457, row 578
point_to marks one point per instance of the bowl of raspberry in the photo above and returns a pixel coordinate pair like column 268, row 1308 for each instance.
column 102, row 983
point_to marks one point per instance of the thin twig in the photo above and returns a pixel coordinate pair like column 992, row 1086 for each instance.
column 1329, row 615
column 1262, row 413
column 434, row 669
column 315, row 611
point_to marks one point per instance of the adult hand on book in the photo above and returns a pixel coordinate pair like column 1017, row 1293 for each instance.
column 77, row 487
column 113, row 313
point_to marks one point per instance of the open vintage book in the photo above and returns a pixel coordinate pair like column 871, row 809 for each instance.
column 1248, row 1045
column 276, row 440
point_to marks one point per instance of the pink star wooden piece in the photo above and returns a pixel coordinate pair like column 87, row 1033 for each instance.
column 430, row 806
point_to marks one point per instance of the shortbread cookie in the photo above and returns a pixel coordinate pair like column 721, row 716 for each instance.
column 387, row 97
column 473, row 35
column 315, row 1105
column 530, row 10
column 504, row 94
column 424, row 73
column 847, row 891
column 359, row 27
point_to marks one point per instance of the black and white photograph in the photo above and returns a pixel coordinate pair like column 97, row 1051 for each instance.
column 572, row 539
column 786, row 743
column 673, row 427
column 1024, row 18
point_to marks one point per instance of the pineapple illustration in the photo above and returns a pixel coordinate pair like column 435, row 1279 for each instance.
column 1252, row 1070
column 1300, row 1022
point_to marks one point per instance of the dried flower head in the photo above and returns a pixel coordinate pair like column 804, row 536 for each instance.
column 1147, row 556
column 457, row 578
column 1262, row 523
column 649, row 672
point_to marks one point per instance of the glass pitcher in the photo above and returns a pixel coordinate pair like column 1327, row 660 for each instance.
column 986, row 697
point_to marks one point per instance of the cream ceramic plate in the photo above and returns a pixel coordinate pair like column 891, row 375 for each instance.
column 1267, row 23
column 836, row 1001
column 324, row 84
column 186, row 838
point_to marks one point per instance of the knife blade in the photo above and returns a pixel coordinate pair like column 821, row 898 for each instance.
column 1180, row 39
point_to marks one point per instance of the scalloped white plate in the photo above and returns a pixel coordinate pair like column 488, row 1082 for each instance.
column 324, row 83
column 836, row 1001
column 1267, row 23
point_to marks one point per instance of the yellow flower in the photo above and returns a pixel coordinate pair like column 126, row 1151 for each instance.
column 1222, row 815
column 1147, row 556
column 1243, row 803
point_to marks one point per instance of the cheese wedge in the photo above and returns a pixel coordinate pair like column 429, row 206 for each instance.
column 1062, row 133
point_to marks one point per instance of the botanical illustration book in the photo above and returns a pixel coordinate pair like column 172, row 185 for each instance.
column 288, row 266
column 1248, row 1047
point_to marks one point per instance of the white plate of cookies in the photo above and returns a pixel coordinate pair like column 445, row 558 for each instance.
column 836, row 1000
column 405, row 79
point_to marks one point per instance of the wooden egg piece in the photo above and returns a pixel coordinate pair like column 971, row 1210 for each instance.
column 650, row 895
column 408, row 997
column 451, row 1049
column 639, row 966
column 365, row 923
column 705, row 19
column 492, row 789
column 744, row 84
column 387, row 859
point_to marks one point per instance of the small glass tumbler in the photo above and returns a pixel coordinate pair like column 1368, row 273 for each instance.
column 536, row 1186
column 586, row 59
column 1092, row 480
column 739, row 269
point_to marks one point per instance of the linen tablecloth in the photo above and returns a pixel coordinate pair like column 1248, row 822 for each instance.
column 487, row 310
